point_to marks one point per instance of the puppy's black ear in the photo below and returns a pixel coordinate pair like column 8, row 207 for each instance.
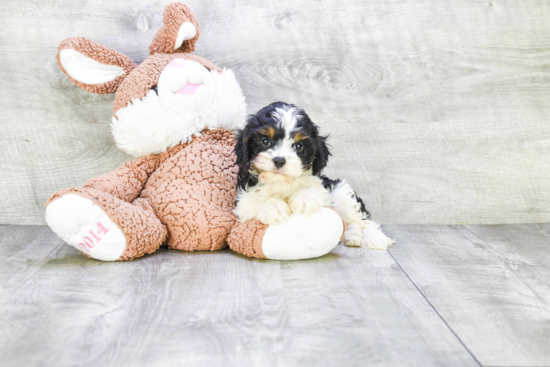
column 242, row 136
column 321, row 158
column 241, row 150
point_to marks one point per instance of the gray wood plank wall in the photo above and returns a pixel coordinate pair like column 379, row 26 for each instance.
column 437, row 110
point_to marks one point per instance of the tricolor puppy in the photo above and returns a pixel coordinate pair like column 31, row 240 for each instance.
column 281, row 156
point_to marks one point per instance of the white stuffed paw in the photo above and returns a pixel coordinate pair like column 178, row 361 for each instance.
column 302, row 237
column 273, row 211
column 86, row 227
column 307, row 201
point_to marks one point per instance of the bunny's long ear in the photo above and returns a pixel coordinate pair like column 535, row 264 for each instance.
column 179, row 32
column 91, row 66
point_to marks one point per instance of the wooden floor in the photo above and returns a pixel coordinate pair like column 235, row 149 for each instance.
column 442, row 296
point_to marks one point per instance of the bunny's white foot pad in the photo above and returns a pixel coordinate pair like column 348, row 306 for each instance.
column 86, row 227
column 302, row 237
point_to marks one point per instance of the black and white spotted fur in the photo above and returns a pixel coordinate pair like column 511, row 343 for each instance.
column 281, row 156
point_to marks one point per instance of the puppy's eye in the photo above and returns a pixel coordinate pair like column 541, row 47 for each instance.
column 298, row 147
column 265, row 142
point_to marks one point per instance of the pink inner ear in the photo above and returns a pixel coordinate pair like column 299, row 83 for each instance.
column 178, row 63
column 188, row 89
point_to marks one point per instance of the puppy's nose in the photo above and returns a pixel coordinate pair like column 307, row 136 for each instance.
column 279, row 162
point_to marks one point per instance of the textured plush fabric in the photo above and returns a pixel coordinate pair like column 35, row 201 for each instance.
column 184, row 196
column 146, row 76
column 101, row 54
column 127, row 181
column 246, row 238
column 193, row 191
column 143, row 230
column 151, row 125
column 188, row 190
column 175, row 14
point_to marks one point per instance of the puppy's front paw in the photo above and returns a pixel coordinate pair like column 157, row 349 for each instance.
column 370, row 236
column 273, row 211
column 307, row 201
column 353, row 235
column 374, row 238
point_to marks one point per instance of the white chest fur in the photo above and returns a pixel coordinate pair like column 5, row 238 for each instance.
column 276, row 197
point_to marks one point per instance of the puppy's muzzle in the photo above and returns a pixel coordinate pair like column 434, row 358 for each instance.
column 279, row 162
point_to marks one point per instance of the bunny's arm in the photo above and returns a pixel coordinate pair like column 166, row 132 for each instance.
column 299, row 237
column 127, row 181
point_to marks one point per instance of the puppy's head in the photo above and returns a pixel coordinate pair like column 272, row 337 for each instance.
column 282, row 139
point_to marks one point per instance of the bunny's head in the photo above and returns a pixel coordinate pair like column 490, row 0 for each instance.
column 171, row 96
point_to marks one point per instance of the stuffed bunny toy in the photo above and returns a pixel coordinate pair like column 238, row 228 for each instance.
column 175, row 112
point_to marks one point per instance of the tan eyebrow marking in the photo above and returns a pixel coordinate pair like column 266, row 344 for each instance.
column 270, row 131
column 300, row 136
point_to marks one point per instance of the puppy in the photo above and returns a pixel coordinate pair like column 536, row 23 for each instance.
column 281, row 156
